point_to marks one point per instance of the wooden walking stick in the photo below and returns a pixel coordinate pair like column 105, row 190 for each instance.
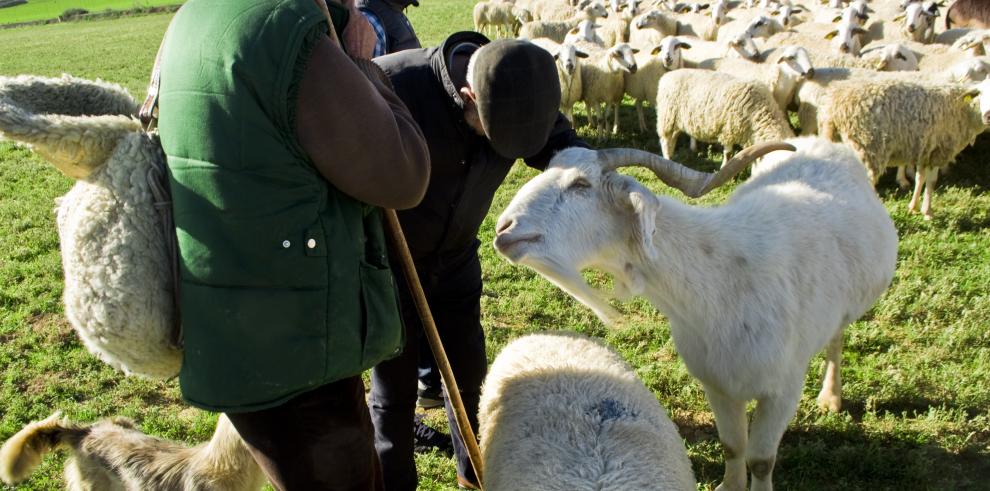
column 400, row 248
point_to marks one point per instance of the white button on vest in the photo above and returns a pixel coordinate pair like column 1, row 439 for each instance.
column 311, row 243
column 286, row 244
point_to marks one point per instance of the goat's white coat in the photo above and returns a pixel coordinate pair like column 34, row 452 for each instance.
column 752, row 289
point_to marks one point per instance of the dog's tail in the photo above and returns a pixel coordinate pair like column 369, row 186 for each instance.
column 25, row 450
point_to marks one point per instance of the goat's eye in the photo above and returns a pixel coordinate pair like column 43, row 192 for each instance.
column 579, row 183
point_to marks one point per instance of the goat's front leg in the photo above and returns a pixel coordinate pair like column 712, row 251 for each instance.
column 730, row 419
column 830, row 397
column 770, row 419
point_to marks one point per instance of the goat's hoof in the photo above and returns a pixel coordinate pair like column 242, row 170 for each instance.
column 829, row 402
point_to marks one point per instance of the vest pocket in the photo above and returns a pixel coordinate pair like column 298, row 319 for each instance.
column 383, row 332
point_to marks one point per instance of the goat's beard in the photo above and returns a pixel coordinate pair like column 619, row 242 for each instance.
column 570, row 280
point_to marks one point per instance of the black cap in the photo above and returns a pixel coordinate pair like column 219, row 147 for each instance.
column 518, row 95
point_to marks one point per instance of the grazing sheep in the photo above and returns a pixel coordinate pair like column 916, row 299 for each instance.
column 602, row 82
column 558, row 29
column 783, row 74
column 752, row 289
column 894, row 122
column 974, row 14
column 647, row 30
column 562, row 411
column 651, row 65
column 733, row 112
column 568, row 59
column 114, row 243
column 113, row 455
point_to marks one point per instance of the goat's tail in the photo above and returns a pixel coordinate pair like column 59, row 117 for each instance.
column 24, row 451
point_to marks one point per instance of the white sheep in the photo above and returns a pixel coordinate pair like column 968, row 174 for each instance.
column 118, row 274
column 782, row 74
column 730, row 111
column 752, row 289
column 563, row 411
column 568, row 60
column 113, row 455
column 558, row 29
column 650, row 66
column 602, row 82
column 891, row 122
column 700, row 52
column 650, row 28
column 585, row 35
column 703, row 26
column 919, row 21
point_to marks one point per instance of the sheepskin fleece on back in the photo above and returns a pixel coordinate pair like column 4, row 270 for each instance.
column 118, row 293
column 560, row 411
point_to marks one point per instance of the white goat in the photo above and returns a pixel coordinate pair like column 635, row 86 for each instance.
column 752, row 289
column 113, row 455
column 561, row 411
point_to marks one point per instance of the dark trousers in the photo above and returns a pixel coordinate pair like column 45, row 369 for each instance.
column 453, row 291
column 320, row 440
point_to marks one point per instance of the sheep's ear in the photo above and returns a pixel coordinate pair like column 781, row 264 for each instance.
column 832, row 34
column 836, row 19
column 580, row 54
column 797, row 10
column 573, row 31
column 635, row 50
column 655, row 50
column 859, row 30
column 683, row 45
column 899, row 18
column 971, row 94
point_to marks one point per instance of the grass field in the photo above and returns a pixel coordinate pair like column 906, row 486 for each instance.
column 917, row 367
column 50, row 9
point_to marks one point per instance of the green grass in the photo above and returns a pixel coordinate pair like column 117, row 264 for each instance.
column 50, row 9
column 917, row 367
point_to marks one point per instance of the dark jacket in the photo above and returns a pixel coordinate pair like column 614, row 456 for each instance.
column 399, row 33
column 465, row 170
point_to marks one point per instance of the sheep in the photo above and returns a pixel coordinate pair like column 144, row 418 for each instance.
column 919, row 21
column 894, row 122
column 585, row 36
column 602, row 82
column 698, row 25
column 648, row 29
column 118, row 267
column 731, row 112
column 761, row 26
column 968, row 13
column 894, row 57
column 557, row 30
column 782, row 75
column 752, row 289
column 615, row 29
column 567, row 57
column 651, row 65
column 845, row 39
column 701, row 51
column 114, row 455
column 563, row 411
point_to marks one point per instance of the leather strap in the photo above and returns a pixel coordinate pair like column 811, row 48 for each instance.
column 149, row 110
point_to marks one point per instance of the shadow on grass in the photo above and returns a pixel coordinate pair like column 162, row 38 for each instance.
column 809, row 456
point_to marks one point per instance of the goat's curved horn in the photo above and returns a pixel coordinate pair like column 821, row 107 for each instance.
column 76, row 145
column 689, row 181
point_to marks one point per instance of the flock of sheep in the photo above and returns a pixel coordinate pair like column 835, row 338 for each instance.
column 883, row 77
column 752, row 288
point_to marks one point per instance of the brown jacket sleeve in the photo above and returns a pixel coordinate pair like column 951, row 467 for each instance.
column 359, row 134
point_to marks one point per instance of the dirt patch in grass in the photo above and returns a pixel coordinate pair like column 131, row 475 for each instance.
column 53, row 328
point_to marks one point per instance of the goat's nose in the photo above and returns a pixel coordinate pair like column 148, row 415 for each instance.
column 504, row 225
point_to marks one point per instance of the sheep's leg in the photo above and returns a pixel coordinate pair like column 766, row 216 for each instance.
column 770, row 419
column 919, row 182
column 902, row 180
column 830, row 397
column 615, row 127
column 639, row 113
column 694, row 145
column 668, row 143
column 730, row 420
column 931, row 177
column 569, row 114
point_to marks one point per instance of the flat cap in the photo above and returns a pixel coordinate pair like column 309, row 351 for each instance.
column 518, row 95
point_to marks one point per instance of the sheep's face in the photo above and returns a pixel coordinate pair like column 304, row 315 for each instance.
column 669, row 52
column 896, row 57
column 796, row 60
column 623, row 55
column 567, row 57
column 744, row 46
column 918, row 19
column 573, row 216
column 653, row 18
column 719, row 12
column 760, row 26
column 845, row 39
column 596, row 10
column 786, row 15
column 971, row 71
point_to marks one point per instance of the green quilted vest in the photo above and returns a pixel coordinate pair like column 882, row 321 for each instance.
column 285, row 283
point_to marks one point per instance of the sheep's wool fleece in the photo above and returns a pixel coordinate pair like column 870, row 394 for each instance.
column 117, row 274
column 560, row 411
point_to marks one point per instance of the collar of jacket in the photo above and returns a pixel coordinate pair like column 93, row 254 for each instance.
column 439, row 62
